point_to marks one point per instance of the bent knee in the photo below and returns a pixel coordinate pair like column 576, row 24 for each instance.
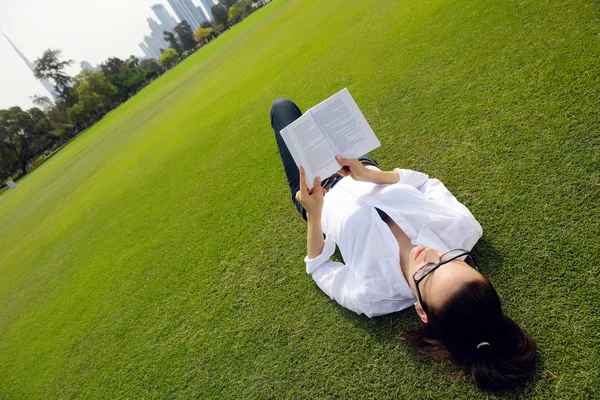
column 281, row 104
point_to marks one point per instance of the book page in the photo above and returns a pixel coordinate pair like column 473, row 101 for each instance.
column 310, row 149
column 344, row 125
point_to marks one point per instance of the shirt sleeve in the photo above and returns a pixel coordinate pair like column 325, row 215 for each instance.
column 464, row 229
column 338, row 280
column 413, row 178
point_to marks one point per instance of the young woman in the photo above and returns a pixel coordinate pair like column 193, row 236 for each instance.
column 405, row 240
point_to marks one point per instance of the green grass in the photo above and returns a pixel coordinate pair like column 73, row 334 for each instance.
column 158, row 255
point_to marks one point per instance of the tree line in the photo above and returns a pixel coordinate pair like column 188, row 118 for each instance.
column 27, row 136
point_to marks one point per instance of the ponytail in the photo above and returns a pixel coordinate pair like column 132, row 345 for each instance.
column 509, row 363
column 470, row 330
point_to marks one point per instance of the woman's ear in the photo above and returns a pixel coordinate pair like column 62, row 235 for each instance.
column 422, row 313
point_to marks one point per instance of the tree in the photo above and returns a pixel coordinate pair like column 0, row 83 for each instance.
column 8, row 163
column 128, row 81
column 59, row 117
column 186, row 35
column 236, row 12
column 220, row 14
column 172, row 40
column 248, row 4
column 23, row 133
column 94, row 81
column 56, row 113
column 152, row 67
column 206, row 24
column 132, row 61
column 42, row 102
column 227, row 3
column 77, row 114
column 51, row 67
column 126, row 76
column 168, row 58
column 94, row 93
column 202, row 33
column 112, row 66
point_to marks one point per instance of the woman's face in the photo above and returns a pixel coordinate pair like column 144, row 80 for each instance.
column 436, row 287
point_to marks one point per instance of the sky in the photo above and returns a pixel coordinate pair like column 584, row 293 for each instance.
column 90, row 30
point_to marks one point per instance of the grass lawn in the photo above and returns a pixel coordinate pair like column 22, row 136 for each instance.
column 158, row 255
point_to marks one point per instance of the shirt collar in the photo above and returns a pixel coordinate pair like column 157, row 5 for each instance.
column 427, row 238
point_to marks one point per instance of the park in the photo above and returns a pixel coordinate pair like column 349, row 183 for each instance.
column 158, row 254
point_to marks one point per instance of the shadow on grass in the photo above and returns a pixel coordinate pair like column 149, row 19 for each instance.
column 488, row 258
column 389, row 329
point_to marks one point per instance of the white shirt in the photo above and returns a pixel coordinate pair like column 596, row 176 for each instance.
column 371, row 281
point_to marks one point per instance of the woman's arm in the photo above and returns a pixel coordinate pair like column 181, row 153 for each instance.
column 338, row 280
column 382, row 177
column 314, row 236
column 334, row 278
column 354, row 168
column 313, row 204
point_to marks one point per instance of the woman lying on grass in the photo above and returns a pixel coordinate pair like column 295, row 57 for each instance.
column 405, row 240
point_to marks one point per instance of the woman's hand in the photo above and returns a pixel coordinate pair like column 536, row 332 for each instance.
column 354, row 168
column 312, row 201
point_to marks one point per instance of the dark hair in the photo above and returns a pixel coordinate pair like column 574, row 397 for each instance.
column 473, row 315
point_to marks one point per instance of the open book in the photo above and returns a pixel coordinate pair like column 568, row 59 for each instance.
column 333, row 127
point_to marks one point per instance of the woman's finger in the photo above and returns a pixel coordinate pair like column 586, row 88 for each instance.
column 341, row 161
column 303, row 186
column 348, row 163
column 317, row 184
column 344, row 171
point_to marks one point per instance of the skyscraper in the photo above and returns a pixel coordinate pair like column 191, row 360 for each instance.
column 197, row 11
column 154, row 46
column 186, row 10
column 145, row 49
column 179, row 11
column 157, row 32
column 86, row 65
column 164, row 17
column 149, row 51
column 47, row 85
column 207, row 6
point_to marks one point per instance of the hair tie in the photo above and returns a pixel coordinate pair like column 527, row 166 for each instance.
column 482, row 344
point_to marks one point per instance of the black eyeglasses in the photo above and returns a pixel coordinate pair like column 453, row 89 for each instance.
column 444, row 259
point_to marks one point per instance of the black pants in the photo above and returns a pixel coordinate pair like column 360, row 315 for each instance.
column 283, row 113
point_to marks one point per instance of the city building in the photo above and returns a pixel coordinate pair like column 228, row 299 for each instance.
column 197, row 11
column 166, row 20
column 186, row 10
column 86, row 65
column 200, row 15
column 47, row 85
column 159, row 42
column 149, row 53
column 145, row 50
column 207, row 7
column 157, row 32
column 154, row 46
